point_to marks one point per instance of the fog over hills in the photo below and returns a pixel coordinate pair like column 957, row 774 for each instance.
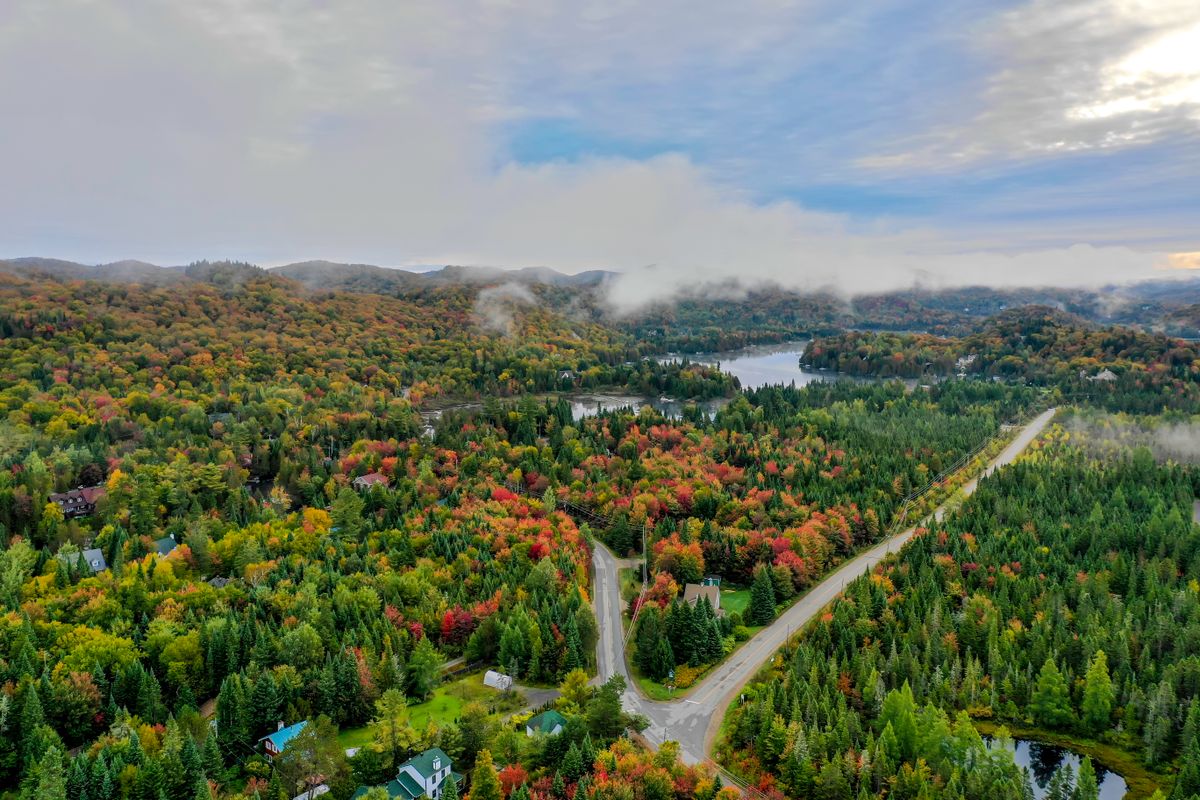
column 1168, row 304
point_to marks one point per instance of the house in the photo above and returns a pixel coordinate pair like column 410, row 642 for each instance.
column 369, row 480
column 1105, row 375
column 165, row 545
column 421, row 776
column 79, row 502
column 92, row 558
column 548, row 722
column 692, row 593
column 219, row 582
column 497, row 680
column 273, row 743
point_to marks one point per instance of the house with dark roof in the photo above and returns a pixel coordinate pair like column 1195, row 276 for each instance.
column 273, row 743
column 79, row 502
column 91, row 559
column 422, row 775
column 165, row 545
column 369, row 480
column 693, row 592
column 548, row 722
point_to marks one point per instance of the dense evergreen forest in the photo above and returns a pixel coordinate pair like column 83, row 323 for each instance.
column 1061, row 596
column 220, row 511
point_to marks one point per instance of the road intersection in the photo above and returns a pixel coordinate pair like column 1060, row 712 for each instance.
column 694, row 720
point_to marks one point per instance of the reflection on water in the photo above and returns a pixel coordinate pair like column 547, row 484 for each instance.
column 754, row 367
column 761, row 365
column 1043, row 760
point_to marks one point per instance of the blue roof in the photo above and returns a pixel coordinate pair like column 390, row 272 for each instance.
column 281, row 737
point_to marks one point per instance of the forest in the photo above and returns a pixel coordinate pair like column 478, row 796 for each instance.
column 1061, row 597
column 1119, row 368
column 222, row 512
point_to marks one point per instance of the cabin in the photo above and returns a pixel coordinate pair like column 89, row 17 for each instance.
column 1104, row 375
column 165, row 545
column 92, row 558
column 273, row 743
column 693, row 592
column 497, row 680
column 549, row 723
column 422, row 775
column 363, row 482
column 78, row 502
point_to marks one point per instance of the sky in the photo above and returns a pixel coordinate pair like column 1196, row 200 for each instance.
column 856, row 146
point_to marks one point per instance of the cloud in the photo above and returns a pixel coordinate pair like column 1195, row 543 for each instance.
column 1071, row 76
column 374, row 131
column 496, row 306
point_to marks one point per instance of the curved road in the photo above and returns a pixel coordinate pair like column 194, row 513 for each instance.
column 693, row 720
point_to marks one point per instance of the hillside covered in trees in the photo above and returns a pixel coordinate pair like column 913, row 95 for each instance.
column 1062, row 596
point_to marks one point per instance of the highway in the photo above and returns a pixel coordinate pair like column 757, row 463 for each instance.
column 693, row 720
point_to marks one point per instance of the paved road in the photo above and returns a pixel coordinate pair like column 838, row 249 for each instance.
column 693, row 720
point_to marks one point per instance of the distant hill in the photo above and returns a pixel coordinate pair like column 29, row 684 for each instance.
column 703, row 317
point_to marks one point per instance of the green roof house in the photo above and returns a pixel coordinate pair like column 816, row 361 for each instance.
column 165, row 545
column 423, row 775
column 548, row 722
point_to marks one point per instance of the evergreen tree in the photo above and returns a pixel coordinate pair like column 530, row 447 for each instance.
column 1098, row 695
column 761, row 610
column 51, row 782
column 1086, row 786
column 1051, row 702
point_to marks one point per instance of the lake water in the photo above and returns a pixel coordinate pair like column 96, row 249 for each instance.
column 1043, row 759
column 754, row 367
column 762, row 365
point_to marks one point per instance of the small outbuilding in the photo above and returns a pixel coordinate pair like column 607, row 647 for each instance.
column 497, row 680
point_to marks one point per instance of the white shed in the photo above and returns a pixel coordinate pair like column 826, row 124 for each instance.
column 497, row 680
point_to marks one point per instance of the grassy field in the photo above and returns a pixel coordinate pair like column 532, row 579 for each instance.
column 445, row 705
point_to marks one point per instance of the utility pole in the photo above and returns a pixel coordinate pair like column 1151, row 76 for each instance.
column 645, row 556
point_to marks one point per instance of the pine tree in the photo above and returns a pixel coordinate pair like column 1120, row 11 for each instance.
column 1098, row 695
column 264, row 706
column 1051, row 702
column 51, row 783
column 32, row 718
column 572, row 764
column 1086, row 786
column 762, row 598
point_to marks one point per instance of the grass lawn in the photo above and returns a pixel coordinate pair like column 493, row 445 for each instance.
column 735, row 601
column 444, row 705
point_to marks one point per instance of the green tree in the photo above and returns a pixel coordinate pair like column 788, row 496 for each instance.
column 346, row 513
column 1051, row 702
column 1098, row 695
column 485, row 784
column 762, row 598
column 1086, row 786
column 51, row 781
column 424, row 669
column 311, row 756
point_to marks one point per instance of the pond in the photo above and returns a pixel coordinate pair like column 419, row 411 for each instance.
column 1042, row 760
